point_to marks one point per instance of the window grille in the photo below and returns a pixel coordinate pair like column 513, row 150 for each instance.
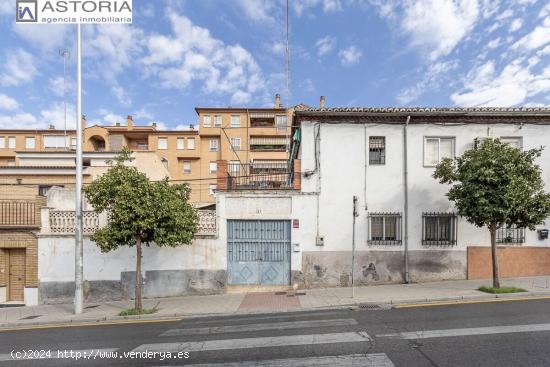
column 384, row 229
column 439, row 229
column 510, row 234
column 377, row 150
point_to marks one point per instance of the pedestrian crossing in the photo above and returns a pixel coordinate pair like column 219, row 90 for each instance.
column 359, row 339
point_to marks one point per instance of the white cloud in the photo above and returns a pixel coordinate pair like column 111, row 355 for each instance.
column 325, row 45
column 515, row 25
column 19, row 68
column 539, row 37
column 109, row 117
column 192, row 54
column 143, row 113
column 7, row 7
column 47, row 37
column 307, row 85
column 54, row 115
column 350, row 55
column 494, row 43
column 56, row 85
column 329, row 6
column 19, row 121
column 437, row 26
column 7, row 103
column 545, row 11
column 257, row 10
column 432, row 78
column 121, row 95
column 513, row 85
column 278, row 48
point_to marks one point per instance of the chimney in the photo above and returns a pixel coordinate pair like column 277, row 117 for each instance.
column 83, row 122
column 277, row 101
column 191, row 127
column 117, row 124
column 154, row 125
column 129, row 122
column 52, row 127
column 322, row 102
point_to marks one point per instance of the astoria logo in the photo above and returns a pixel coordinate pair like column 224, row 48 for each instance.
column 73, row 11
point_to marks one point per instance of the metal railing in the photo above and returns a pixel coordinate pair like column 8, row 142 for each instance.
column 258, row 176
column 439, row 229
column 384, row 229
column 18, row 213
column 510, row 235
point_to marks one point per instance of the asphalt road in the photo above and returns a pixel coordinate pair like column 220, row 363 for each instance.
column 486, row 334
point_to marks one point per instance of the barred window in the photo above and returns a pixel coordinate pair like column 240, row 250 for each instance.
column 377, row 150
column 439, row 229
column 384, row 229
column 510, row 234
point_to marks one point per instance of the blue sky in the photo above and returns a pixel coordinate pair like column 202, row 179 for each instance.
column 181, row 54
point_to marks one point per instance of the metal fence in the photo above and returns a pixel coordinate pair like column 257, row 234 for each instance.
column 384, row 229
column 510, row 235
column 258, row 176
column 439, row 229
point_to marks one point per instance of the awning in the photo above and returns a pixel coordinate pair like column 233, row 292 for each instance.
column 262, row 115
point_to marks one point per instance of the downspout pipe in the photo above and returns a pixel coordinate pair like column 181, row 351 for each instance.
column 406, row 201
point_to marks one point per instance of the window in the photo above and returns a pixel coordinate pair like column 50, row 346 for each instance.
column 384, row 229
column 439, row 229
column 30, row 143
column 43, row 189
column 235, row 121
column 181, row 143
column 73, row 142
column 213, row 167
column 235, row 143
column 377, row 150
column 281, row 122
column 56, row 141
column 162, row 143
column 206, row 121
column 213, row 145
column 510, row 234
column 191, row 143
column 2, row 142
column 234, row 167
column 513, row 141
column 435, row 149
column 11, row 142
column 186, row 167
column 211, row 188
column 217, row 120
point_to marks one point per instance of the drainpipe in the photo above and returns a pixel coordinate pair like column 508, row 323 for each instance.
column 366, row 165
column 406, row 199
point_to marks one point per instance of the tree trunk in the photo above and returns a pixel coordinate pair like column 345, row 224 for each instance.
column 138, row 274
column 493, row 230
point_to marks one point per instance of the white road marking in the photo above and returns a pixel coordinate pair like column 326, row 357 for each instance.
column 240, row 320
column 351, row 360
column 83, row 354
column 247, row 343
column 258, row 327
column 425, row 334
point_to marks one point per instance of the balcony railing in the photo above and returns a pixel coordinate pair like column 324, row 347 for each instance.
column 64, row 222
column 258, row 176
column 19, row 214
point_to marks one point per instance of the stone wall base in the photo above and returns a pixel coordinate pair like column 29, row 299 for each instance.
column 156, row 283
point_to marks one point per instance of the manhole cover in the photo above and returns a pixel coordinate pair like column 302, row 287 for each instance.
column 30, row 317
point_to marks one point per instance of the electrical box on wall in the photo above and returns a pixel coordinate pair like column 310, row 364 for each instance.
column 296, row 247
column 320, row 240
column 543, row 234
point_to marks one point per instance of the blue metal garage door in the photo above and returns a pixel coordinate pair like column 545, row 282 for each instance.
column 258, row 251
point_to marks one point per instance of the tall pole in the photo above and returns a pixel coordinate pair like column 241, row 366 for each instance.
column 79, row 262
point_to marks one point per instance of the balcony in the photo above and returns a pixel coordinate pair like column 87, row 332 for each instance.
column 258, row 176
column 19, row 214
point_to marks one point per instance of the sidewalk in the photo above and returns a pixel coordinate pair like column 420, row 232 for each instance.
column 270, row 302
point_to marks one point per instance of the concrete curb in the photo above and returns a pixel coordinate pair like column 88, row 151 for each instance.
column 179, row 315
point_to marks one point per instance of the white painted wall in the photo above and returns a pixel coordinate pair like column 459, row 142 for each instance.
column 3, row 294
column 342, row 175
column 31, row 296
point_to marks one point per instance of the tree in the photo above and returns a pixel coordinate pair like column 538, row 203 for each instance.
column 496, row 185
column 140, row 212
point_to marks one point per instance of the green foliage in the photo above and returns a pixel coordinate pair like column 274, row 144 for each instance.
column 496, row 184
column 501, row 290
column 157, row 212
